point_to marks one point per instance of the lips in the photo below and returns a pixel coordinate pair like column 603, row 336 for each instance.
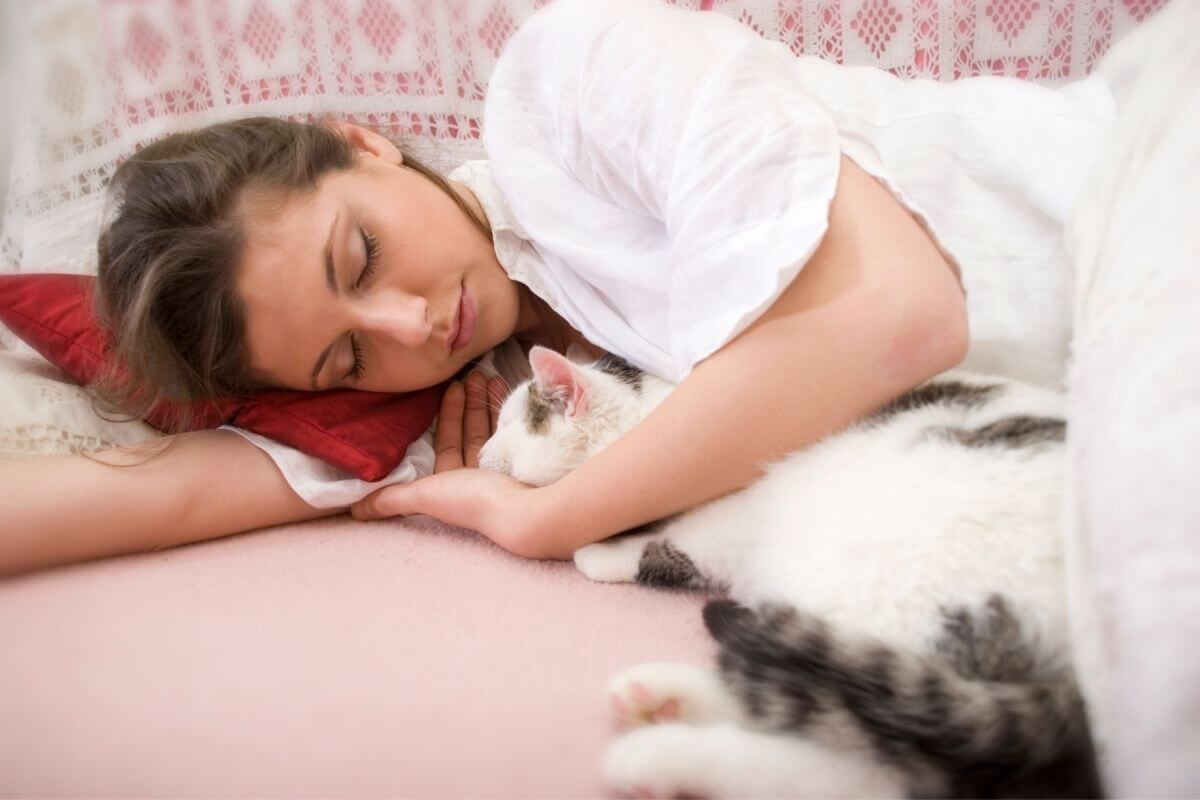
column 464, row 323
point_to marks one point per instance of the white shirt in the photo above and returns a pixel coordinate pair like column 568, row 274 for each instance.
column 660, row 175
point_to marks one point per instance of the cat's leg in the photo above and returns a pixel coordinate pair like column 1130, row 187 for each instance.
column 659, row 691
column 728, row 761
column 616, row 559
column 702, row 548
column 691, row 551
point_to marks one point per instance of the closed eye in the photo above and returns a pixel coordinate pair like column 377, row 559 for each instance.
column 371, row 247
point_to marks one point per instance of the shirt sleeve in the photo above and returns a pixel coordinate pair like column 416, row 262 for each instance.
column 324, row 486
column 605, row 116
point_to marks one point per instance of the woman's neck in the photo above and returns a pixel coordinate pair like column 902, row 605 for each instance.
column 539, row 324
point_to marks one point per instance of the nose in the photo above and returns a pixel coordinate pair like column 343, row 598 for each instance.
column 403, row 317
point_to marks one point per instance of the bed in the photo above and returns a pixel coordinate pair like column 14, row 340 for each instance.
column 410, row 659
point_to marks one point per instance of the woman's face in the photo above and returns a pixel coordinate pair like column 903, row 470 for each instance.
column 433, row 298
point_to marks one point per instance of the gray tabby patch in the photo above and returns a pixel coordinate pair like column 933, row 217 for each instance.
column 621, row 369
column 665, row 566
column 987, row 644
column 1019, row 431
column 537, row 410
column 946, row 392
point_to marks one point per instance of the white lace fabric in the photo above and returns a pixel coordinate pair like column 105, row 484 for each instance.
column 44, row 414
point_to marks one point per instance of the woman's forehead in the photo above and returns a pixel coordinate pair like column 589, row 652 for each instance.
column 269, row 209
column 280, row 277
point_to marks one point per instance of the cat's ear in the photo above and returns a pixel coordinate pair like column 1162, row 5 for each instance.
column 577, row 355
column 559, row 379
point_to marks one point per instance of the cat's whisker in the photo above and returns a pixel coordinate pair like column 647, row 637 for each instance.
column 491, row 390
column 494, row 399
column 507, row 386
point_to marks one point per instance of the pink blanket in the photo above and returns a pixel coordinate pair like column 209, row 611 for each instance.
column 331, row 658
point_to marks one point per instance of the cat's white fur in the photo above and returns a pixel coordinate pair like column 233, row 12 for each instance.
column 876, row 529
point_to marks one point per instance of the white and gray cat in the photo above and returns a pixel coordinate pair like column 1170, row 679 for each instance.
column 895, row 623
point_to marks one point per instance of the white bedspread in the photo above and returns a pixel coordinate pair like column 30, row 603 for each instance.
column 1133, row 502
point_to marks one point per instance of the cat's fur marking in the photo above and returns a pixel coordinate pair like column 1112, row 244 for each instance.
column 985, row 739
column 937, row 391
column 538, row 410
column 621, row 369
column 986, row 644
column 1017, row 431
column 665, row 566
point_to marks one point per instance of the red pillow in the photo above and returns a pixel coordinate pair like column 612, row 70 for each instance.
column 363, row 433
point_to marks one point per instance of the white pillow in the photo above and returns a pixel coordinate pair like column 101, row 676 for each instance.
column 44, row 414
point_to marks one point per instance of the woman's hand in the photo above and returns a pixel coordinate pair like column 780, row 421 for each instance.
column 510, row 513
column 467, row 419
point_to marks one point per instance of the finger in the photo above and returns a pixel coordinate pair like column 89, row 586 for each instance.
column 497, row 391
column 447, row 436
column 452, row 497
column 475, row 418
column 390, row 501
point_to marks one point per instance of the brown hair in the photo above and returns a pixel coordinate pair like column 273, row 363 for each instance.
column 165, row 288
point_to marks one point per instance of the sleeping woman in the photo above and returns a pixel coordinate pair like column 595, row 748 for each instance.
column 795, row 243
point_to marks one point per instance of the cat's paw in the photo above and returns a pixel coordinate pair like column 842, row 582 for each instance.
column 728, row 761
column 612, row 561
column 657, row 692
column 657, row 762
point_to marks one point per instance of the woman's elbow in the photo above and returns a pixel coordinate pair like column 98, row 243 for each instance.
column 928, row 337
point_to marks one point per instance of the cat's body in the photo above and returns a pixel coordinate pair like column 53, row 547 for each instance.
column 901, row 627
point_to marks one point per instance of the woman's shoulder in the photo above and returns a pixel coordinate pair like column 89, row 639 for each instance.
column 569, row 30
column 604, row 57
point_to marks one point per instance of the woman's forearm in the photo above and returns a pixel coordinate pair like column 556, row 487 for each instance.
column 208, row 484
column 876, row 310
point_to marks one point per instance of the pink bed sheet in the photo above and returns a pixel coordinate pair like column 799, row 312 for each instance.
column 330, row 658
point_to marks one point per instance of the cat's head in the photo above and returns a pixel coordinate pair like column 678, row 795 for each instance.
column 565, row 413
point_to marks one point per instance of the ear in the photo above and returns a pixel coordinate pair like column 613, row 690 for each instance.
column 366, row 141
column 577, row 355
column 560, row 379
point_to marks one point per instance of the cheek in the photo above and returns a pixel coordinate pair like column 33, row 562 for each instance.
column 393, row 367
column 501, row 302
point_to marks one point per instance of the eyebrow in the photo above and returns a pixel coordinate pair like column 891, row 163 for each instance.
column 331, row 281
